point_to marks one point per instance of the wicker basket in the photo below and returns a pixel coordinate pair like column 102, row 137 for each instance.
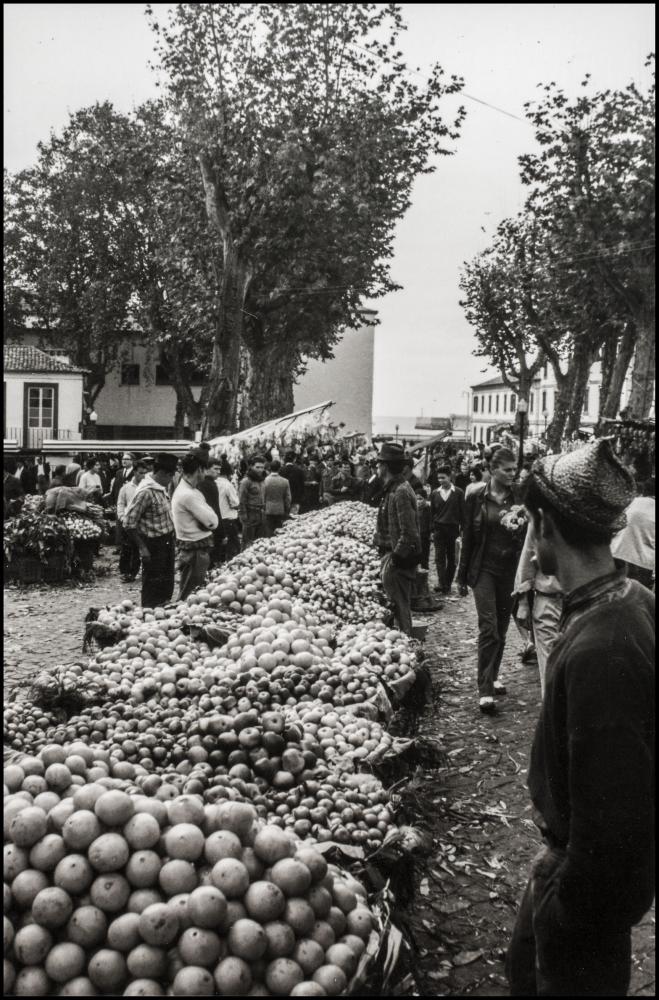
column 28, row 569
column 85, row 551
column 56, row 568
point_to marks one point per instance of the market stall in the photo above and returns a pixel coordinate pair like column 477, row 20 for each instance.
column 304, row 427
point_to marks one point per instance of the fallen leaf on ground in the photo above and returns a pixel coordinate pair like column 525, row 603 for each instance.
column 466, row 957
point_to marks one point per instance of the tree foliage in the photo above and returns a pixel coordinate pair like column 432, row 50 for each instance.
column 573, row 277
column 309, row 132
column 69, row 243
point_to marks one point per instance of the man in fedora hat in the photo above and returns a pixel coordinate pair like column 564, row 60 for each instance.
column 397, row 537
column 148, row 522
column 591, row 772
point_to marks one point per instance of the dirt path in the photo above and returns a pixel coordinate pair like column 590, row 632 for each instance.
column 466, row 892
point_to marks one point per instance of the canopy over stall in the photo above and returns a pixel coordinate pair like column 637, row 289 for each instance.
column 282, row 430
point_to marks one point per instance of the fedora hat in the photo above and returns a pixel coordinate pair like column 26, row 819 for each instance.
column 390, row 452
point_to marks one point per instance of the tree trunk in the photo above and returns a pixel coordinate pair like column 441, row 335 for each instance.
column 269, row 385
column 624, row 351
column 221, row 399
column 640, row 399
column 578, row 374
column 557, row 425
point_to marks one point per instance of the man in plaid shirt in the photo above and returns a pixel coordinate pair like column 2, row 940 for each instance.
column 148, row 522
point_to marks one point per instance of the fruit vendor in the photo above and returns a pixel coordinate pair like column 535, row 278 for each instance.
column 591, row 773
column 397, row 537
column 148, row 521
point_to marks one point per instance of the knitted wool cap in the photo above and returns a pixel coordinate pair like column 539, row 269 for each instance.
column 391, row 452
column 590, row 486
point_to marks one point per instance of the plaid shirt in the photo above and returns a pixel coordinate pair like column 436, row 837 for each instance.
column 150, row 511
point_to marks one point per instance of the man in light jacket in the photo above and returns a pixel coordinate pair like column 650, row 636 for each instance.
column 540, row 602
column 277, row 496
column 194, row 523
column 229, row 504
column 129, row 556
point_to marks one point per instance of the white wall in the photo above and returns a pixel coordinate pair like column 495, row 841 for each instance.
column 144, row 405
column 347, row 379
column 69, row 399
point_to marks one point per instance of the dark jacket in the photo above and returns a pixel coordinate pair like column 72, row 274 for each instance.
column 122, row 476
column 591, row 773
column 398, row 524
column 448, row 512
column 251, row 494
column 295, row 475
column 345, row 487
column 474, row 536
column 28, row 478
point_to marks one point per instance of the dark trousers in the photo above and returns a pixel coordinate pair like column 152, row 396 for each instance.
column 494, row 605
column 158, row 572
column 193, row 566
column 425, row 550
column 250, row 533
column 397, row 585
column 272, row 522
column 129, row 557
column 553, row 962
column 232, row 547
column 446, row 536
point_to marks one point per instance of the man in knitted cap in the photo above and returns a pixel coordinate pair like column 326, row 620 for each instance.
column 591, row 772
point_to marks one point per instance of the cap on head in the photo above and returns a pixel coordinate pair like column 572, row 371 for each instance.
column 165, row 461
column 391, row 452
column 590, row 485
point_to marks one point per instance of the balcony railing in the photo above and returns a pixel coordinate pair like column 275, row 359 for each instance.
column 32, row 438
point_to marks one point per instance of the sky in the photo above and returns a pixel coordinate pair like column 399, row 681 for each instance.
column 60, row 57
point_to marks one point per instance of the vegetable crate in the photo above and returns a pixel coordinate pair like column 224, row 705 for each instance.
column 56, row 568
column 28, row 569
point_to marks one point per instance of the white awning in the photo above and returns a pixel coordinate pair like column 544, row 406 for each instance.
column 149, row 446
column 302, row 420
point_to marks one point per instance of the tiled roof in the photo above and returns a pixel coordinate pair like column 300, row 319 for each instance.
column 22, row 358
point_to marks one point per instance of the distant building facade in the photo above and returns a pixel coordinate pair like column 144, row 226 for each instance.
column 43, row 397
column 492, row 403
column 138, row 400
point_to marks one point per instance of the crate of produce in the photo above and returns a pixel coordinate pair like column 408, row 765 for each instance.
column 56, row 568
column 28, row 569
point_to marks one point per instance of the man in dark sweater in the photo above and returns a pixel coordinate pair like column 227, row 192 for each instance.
column 295, row 475
column 447, row 505
column 591, row 774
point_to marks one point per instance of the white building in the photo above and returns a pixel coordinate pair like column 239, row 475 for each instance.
column 138, row 400
column 347, row 379
column 43, row 397
column 492, row 403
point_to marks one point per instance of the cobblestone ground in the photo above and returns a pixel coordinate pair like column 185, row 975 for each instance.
column 467, row 890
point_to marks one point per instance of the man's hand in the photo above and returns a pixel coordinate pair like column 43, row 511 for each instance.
column 145, row 554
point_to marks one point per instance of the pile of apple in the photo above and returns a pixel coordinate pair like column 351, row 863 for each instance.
column 111, row 892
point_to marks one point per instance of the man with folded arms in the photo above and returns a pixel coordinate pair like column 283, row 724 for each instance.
column 194, row 522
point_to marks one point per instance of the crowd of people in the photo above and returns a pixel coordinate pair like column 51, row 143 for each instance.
column 563, row 545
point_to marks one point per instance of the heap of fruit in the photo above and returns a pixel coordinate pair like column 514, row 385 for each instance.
column 276, row 722
column 82, row 528
column 114, row 893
